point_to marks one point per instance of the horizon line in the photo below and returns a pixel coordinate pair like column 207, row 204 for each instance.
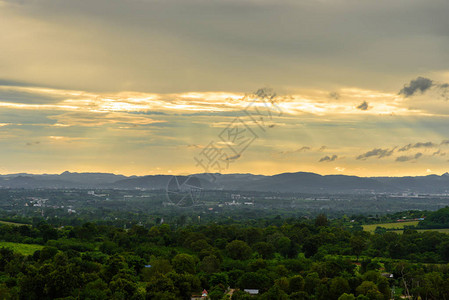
column 192, row 174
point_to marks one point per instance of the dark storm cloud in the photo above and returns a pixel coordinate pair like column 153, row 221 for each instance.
column 378, row 152
column 417, row 145
column 363, row 106
column 328, row 158
column 408, row 158
column 420, row 84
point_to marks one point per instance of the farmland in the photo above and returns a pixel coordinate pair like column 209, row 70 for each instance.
column 13, row 223
column 441, row 230
column 25, row 249
column 396, row 225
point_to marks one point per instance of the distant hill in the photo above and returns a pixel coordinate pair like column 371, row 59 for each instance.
column 63, row 180
column 300, row 182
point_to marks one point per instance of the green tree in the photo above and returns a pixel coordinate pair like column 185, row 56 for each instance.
column 161, row 287
column 265, row 249
column 47, row 253
column 338, row 286
column 158, row 267
column 283, row 246
column 123, row 284
column 358, row 244
column 296, row 283
column 275, row 293
column 346, row 296
column 254, row 280
column 321, row 220
column 210, row 264
column 238, row 250
column 216, row 293
column 185, row 284
column 370, row 290
column 184, row 263
column 95, row 290
column 434, row 284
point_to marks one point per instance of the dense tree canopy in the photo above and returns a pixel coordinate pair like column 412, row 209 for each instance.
column 282, row 259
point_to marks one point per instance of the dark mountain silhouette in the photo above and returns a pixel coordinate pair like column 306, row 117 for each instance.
column 300, row 182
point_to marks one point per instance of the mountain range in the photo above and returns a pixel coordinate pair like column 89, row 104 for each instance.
column 300, row 182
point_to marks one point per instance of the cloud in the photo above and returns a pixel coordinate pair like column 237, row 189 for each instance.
column 6, row 82
column 378, row 152
column 363, row 106
column 305, row 148
column 417, row 145
column 421, row 84
column 194, row 146
column 33, row 143
column 207, row 59
column 439, row 153
column 93, row 119
column 405, row 158
column 231, row 158
column 444, row 90
column 334, row 95
column 302, row 149
column 29, row 95
column 322, row 148
column 328, row 158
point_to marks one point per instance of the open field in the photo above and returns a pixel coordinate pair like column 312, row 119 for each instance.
column 396, row 225
column 25, row 249
column 442, row 230
column 13, row 223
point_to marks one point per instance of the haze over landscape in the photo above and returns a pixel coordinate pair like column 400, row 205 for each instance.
column 143, row 87
column 224, row 149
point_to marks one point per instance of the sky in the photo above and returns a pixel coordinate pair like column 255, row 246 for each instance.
column 140, row 87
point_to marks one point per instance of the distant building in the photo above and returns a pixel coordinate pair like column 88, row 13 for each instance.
column 233, row 203
column 252, row 291
column 203, row 295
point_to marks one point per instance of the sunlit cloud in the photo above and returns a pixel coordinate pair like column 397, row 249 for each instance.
column 100, row 118
column 311, row 102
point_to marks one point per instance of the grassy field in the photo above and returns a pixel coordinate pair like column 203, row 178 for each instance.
column 397, row 225
column 14, row 224
column 25, row 249
column 442, row 230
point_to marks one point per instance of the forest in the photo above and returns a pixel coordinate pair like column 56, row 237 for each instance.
column 272, row 258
